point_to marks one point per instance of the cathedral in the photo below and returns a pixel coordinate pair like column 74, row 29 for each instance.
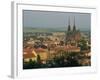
column 72, row 35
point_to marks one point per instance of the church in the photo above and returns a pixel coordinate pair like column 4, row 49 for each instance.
column 72, row 35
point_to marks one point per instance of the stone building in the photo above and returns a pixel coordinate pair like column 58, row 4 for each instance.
column 72, row 35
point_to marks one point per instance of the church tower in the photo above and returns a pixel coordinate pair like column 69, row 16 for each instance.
column 69, row 27
column 72, row 36
column 74, row 26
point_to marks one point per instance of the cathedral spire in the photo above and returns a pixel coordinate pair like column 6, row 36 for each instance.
column 69, row 27
column 74, row 27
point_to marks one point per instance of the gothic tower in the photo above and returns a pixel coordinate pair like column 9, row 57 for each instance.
column 69, row 27
column 74, row 26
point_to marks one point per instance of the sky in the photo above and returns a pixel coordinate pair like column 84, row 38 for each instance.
column 49, row 19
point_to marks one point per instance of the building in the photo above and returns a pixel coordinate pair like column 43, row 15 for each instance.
column 43, row 53
column 72, row 35
column 29, row 54
column 70, row 48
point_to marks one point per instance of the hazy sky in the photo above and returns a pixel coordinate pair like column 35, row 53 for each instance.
column 48, row 19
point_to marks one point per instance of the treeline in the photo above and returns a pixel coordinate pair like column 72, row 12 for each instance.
column 68, row 60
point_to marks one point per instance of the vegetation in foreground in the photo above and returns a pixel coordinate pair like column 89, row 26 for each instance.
column 68, row 60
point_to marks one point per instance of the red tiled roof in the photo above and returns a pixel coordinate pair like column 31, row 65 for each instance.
column 28, row 50
column 40, row 50
column 69, row 47
column 28, row 55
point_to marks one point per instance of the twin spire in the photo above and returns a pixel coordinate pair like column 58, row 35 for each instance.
column 69, row 27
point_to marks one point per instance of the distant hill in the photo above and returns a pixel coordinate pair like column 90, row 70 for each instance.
column 26, row 29
column 58, row 29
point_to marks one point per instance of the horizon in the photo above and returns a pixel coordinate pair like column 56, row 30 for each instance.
column 51, row 19
column 54, row 29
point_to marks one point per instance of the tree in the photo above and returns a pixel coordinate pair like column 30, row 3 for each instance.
column 83, row 44
column 61, row 43
column 72, row 59
column 38, row 59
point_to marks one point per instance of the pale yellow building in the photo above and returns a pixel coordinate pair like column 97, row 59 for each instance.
column 43, row 53
column 29, row 54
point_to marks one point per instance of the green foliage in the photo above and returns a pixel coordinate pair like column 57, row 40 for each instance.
column 38, row 59
column 83, row 44
column 68, row 60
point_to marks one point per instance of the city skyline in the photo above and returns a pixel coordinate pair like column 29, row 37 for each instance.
column 56, row 39
column 48, row 19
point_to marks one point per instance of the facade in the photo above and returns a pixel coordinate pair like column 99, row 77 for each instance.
column 29, row 54
column 43, row 53
column 72, row 35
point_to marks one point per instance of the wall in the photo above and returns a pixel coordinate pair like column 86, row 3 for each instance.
column 5, row 38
